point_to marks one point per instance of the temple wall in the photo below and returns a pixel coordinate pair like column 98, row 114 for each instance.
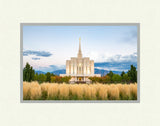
column 92, row 66
column 67, row 67
column 80, row 66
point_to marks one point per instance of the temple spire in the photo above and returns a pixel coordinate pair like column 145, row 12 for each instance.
column 79, row 44
column 79, row 51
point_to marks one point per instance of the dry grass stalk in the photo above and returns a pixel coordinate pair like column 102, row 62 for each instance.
column 97, row 91
column 113, row 92
column 35, row 91
column 26, row 91
column 53, row 90
column 133, row 90
column 64, row 91
column 103, row 92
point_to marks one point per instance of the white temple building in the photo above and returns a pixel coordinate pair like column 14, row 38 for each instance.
column 80, row 68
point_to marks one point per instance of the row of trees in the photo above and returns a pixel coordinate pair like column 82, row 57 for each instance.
column 51, row 78
column 130, row 76
column 30, row 75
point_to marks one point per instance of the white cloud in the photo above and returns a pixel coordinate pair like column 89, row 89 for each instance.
column 111, row 69
column 106, row 57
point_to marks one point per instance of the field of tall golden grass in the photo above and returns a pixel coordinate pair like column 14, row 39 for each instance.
column 54, row 91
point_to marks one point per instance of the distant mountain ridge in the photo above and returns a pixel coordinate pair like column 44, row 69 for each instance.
column 115, row 66
column 40, row 72
column 96, row 71
column 102, row 68
column 58, row 72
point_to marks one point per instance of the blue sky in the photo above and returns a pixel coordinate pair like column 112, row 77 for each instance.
column 46, row 46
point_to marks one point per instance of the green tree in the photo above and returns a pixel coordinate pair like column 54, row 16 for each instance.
column 110, row 74
column 125, row 78
column 122, row 73
column 41, row 78
column 132, row 74
column 48, row 77
column 116, row 78
column 36, row 77
column 28, row 73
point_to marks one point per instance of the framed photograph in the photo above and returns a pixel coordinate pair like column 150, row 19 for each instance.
column 80, row 62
